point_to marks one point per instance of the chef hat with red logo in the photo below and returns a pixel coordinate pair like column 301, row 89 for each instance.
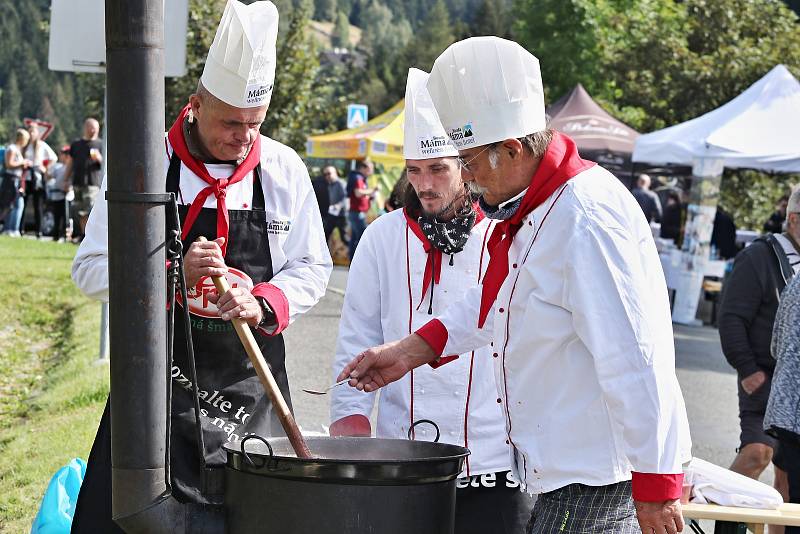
column 487, row 89
column 240, row 67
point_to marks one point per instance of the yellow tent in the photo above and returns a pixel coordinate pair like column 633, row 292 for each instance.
column 380, row 140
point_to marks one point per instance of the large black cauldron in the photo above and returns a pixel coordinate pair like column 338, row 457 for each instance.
column 353, row 485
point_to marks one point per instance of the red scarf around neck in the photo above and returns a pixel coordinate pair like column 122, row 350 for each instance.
column 433, row 266
column 560, row 162
column 215, row 186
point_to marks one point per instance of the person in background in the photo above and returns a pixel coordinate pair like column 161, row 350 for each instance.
column 647, row 199
column 395, row 200
column 15, row 167
column 673, row 217
column 360, row 198
column 774, row 224
column 56, row 196
column 41, row 156
column 746, row 318
column 332, row 200
column 85, row 172
column 723, row 236
column 782, row 418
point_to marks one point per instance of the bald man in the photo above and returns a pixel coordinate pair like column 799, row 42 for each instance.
column 648, row 200
column 85, row 172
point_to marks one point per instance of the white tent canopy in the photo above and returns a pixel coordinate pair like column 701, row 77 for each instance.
column 759, row 129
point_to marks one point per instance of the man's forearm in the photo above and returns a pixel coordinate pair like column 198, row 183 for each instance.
column 417, row 351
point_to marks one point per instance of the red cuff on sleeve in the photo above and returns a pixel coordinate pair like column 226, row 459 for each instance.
column 443, row 360
column 277, row 301
column 352, row 425
column 434, row 334
column 656, row 487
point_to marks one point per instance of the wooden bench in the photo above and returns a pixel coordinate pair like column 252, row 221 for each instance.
column 787, row 514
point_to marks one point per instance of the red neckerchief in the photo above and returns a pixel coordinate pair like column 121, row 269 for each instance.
column 560, row 162
column 215, row 186
column 433, row 266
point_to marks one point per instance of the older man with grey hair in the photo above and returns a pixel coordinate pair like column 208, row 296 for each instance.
column 574, row 304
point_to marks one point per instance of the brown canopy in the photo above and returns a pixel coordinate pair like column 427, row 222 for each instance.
column 599, row 136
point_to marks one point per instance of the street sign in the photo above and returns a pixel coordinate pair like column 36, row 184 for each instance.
column 78, row 36
column 356, row 115
column 44, row 127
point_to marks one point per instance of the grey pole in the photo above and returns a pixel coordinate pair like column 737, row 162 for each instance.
column 137, row 281
column 141, row 500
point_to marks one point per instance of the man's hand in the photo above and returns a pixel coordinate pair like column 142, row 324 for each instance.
column 659, row 517
column 378, row 366
column 204, row 258
column 238, row 302
column 752, row 383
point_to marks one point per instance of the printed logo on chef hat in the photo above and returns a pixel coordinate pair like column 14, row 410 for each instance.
column 462, row 136
column 436, row 145
column 198, row 295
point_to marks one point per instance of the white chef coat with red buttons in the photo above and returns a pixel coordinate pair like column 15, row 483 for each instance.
column 585, row 353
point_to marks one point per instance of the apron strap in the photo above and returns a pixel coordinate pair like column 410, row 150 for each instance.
column 174, row 174
column 258, row 191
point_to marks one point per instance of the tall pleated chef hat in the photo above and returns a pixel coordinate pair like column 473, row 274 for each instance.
column 487, row 89
column 424, row 136
column 240, row 67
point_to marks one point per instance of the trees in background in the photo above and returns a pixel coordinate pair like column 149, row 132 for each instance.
column 652, row 63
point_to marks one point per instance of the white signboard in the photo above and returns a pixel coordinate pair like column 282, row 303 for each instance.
column 78, row 36
column 356, row 115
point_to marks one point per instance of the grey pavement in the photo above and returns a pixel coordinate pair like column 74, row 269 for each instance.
column 708, row 382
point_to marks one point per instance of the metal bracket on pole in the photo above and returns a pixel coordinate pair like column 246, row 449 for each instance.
column 138, row 198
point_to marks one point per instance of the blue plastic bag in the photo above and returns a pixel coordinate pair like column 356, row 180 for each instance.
column 60, row 498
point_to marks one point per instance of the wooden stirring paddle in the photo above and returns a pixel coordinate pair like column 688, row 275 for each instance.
column 265, row 375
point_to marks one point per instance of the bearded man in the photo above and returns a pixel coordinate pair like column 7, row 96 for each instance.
column 411, row 264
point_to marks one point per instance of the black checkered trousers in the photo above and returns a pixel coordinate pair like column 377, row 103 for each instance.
column 580, row 509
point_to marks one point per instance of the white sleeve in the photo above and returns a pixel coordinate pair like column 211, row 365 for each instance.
column 49, row 153
column 90, row 266
column 618, row 315
column 461, row 321
column 303, row 279
column 360, row 326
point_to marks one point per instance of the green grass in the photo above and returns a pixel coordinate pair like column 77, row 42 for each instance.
column 51, row 393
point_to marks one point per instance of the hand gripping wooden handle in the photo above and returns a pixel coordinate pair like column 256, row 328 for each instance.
column 265, row 375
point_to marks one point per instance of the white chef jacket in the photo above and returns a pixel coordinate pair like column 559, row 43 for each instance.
column 301, row 262
column 382, row 304
column 583, row 331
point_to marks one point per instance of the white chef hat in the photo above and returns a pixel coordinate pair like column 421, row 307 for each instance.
column 487, row 89
column 240, row 67
column 424, row 136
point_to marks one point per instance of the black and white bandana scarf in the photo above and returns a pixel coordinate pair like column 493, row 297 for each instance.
column 503, row 211
column 448, row 237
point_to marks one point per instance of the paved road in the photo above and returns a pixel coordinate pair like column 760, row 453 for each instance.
column 708, row 383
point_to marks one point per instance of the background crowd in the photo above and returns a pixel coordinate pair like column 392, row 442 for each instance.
column 44, row 193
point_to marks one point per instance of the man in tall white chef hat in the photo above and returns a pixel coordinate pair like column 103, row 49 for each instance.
column 252, row 199
column 410, row 265
column 574, row 300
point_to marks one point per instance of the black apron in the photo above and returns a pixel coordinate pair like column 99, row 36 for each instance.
column 232, row 401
